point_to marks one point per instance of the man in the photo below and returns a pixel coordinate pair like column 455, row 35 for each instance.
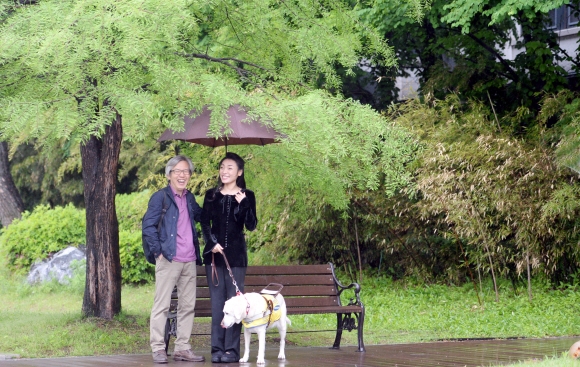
column 172, row 238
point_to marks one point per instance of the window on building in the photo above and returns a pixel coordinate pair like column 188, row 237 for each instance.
column 573, row 16
column 564, row 17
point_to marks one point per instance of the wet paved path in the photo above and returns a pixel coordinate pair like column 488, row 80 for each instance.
column 460, row 353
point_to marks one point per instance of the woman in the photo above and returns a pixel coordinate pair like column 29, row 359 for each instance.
column 227, row 209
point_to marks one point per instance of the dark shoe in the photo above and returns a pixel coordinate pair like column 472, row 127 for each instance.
column 216, row 359
column 187, row 355
column 229, row 358
column 159, row 356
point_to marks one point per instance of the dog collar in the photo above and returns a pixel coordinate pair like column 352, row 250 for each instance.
column 247, row 305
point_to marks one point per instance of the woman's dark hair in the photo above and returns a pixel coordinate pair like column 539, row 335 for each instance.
column 240, row 181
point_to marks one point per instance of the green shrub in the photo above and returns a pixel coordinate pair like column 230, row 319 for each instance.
column 46, row 231
column 130, row 211
column 40, row 233
column 135, row 269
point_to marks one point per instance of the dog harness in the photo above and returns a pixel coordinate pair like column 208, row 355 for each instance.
column 271, row 313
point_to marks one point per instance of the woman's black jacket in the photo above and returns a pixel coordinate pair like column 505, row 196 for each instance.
column 222, row 221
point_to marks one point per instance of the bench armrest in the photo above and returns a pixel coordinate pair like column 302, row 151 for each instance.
column 341, row 288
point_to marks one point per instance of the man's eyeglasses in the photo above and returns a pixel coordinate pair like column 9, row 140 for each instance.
column 179, row 172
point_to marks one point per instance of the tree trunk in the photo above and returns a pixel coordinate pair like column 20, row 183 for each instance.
column 11, row 204
column 100, row 157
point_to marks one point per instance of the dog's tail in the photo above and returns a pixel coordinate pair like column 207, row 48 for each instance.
column 288, row 322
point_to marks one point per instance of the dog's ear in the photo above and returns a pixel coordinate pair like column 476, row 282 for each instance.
column 239, row 307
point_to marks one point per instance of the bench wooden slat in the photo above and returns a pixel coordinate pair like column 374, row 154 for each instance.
column 311, row 301
column 281, row 270
column 317, row 296
column 285, row 280
column 202, row 292
column 290, row 291
column 288, row 280
column 289, row 270
column 321, row 310
column 293, row 291
column 205, row 310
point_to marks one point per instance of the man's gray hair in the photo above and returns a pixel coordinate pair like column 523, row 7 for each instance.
column 174, row 161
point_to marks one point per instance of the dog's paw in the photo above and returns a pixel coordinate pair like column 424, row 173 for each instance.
column 261, row 361
column 281, row 356
column 243, row 360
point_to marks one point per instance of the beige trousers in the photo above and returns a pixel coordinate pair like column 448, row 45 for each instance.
column 167, row 275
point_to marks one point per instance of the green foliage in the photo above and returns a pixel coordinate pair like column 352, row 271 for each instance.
column 68, row 67
column 41, row 233
column 52, row 175
column 481, row 200
column 496, row 193
column 357, row 161
column 461, row 13
column 130, row 211
column 98, row 56
column 460, row 47
column 563, row 107
column 44, row 231
column 49, row 178
column 135, row 268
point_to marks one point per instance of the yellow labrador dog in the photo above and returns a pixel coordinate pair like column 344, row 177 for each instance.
column 257, row 312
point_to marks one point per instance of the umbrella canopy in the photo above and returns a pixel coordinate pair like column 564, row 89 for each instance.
column 243, row 130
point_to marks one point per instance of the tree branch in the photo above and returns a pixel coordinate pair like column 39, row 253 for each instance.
column 496, row 54
column 243, row 73
column 224, row 60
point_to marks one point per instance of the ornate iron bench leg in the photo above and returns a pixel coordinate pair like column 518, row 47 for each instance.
column 361, row 322
column 167, row 335
column 338, row 331
column 170, row 329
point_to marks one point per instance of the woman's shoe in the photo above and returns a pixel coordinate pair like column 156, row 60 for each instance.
column 229, row 358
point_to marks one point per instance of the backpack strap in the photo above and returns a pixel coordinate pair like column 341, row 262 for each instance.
column 163, row 211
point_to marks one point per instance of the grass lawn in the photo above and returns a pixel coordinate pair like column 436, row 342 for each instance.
column 45, row 321
column 562, row 361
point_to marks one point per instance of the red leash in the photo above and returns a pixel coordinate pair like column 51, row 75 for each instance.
column 214, row 275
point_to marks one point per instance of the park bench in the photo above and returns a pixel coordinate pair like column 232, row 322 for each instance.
column 307, row 289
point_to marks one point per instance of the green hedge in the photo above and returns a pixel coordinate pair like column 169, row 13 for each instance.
column 130, row 211
column 40, row 233
column 45, row 231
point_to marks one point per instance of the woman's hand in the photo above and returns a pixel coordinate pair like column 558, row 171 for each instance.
column 240, row 195
column 217, row 248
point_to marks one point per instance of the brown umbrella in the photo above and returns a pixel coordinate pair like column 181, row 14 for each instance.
column 244, row 130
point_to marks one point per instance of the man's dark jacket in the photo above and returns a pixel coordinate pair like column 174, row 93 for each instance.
column 164, row 241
